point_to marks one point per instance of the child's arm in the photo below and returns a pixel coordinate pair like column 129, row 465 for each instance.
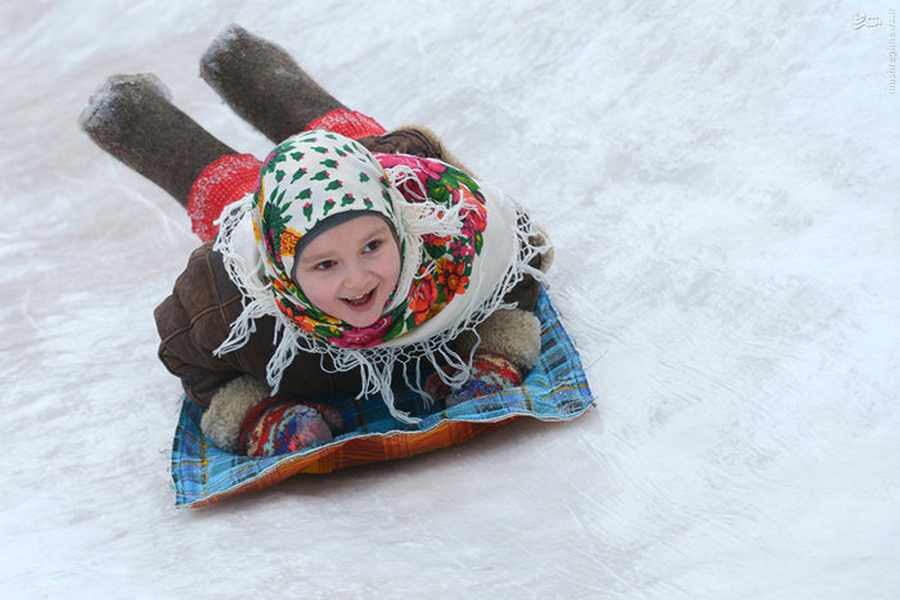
column 416, row 140
column 195, row 319
column 190, row 321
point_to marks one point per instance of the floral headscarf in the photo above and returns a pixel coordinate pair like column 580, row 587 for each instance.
column 441, row 218
column 317, row 175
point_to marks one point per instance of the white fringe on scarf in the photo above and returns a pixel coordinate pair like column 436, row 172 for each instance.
column 376, row 364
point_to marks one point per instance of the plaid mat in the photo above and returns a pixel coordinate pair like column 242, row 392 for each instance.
column 556, row 389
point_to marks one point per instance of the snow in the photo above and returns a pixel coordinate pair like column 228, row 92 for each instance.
column 98, row 109
column 221, row 43
column 720, row 180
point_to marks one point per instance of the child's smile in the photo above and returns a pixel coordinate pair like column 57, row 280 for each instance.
column 351, row 270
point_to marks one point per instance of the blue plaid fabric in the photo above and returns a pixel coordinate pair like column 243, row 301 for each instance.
column 556, row 389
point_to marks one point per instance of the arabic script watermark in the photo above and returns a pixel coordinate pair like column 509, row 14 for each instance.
column 864, row 21
column 861, row 20
column 892, row 52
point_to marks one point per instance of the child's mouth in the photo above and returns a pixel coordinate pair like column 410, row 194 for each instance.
column 361, row 301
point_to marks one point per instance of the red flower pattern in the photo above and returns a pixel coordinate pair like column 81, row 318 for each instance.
column 424, row 169
column 364, row 337
column 424, row 294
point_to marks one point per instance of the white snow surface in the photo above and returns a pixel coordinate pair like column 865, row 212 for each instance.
column 721, row 182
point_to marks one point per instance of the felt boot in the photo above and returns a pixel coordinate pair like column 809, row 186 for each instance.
column 133, row 119
column 267, row 88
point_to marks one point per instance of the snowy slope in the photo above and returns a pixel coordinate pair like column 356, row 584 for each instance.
column 721, row 182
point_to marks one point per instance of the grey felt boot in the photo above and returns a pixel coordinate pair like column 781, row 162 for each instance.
column 132, row 118
column 263, row 84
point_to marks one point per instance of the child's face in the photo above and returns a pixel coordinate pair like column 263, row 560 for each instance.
column 350, row 271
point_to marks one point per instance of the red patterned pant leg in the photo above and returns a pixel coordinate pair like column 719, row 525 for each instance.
column 223, row 181
column 350, row 123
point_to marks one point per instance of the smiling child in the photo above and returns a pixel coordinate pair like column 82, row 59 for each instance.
column 349, row 261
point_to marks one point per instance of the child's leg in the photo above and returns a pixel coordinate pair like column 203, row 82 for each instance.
column 268, row 89
column 131, row 117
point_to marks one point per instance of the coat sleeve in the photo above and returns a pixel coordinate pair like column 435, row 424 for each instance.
column 192, row 322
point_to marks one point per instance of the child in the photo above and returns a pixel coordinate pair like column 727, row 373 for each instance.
column 347, row 248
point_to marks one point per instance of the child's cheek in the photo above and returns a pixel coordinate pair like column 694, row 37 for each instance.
column 394, row 267
column 315, row 288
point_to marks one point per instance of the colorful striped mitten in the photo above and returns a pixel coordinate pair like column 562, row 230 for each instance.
column 490, row 373
column 277, row 426
column 510, row 342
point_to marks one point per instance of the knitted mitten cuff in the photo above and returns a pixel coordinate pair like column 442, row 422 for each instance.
column 511, row 333
column 278, row 426
column 350, row 123
column 221, row 182
column 221, row 422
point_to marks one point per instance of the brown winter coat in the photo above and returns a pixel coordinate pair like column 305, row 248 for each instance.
column 196, row 318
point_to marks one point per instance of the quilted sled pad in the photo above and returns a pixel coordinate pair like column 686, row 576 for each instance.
column 556, row 389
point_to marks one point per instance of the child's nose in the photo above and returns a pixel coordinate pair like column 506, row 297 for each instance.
column 357, row 278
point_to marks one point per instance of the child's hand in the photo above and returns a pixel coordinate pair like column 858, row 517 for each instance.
column 490, row 373
column 278, row 426
column 243, row 418
column 436, row 388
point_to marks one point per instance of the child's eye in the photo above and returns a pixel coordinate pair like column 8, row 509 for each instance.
column 373, row 246
column 324, row 265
